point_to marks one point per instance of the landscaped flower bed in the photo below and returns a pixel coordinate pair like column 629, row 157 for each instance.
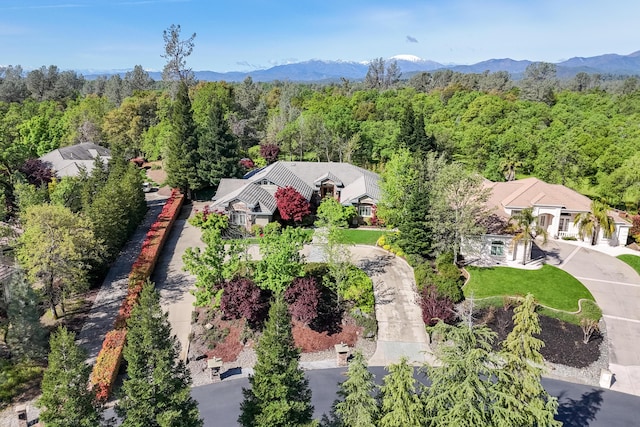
column 110, row 356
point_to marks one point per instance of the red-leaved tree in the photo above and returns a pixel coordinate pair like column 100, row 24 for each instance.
column 37, row 172
column 635, row 228
column 247, row 163
column 436, row 307
column 269, row 152
column 303, row 297
column 291, row 204
column 242, row 298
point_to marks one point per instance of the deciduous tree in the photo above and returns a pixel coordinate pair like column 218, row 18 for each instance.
column 291, row 204
column 281, row 260
column 55, row 250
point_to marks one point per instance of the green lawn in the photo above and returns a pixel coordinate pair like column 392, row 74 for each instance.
column 359, row 236
column 632, row 260
column 550, row 286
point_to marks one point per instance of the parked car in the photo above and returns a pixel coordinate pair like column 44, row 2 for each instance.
column 146, row 187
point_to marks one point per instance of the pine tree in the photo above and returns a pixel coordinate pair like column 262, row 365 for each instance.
column 181, row 152
column 66, row 398
column 279, row 393
column 358, row 407
column 217, row 149
column 462, row 391
column 399, row 403
column 532, row 405
column 157, row 390
column 26, row 337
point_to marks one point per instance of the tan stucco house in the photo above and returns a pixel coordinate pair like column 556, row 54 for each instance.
column 251, row 200
column 556, row 207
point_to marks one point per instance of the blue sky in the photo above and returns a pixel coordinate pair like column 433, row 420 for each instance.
column 249, row 34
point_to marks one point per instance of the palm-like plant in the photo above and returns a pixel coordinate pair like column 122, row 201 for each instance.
column 525, row 227
column 590, row 223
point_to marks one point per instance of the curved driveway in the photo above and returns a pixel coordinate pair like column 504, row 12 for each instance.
column 616, row 288
column 401, row 330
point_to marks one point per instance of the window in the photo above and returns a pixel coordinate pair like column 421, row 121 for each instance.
column 238, row 218
column 497, row 248
column 364, row 210
column 564, row 224
column 542, row 219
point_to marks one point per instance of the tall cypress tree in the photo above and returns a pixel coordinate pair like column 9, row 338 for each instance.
column 532, row 405
column 279, row 393
column 400, row 405
column 26, row 337
column 181, row 152
column 358, row 407
column 157, row 391
column 66, row 398
column 217, row 149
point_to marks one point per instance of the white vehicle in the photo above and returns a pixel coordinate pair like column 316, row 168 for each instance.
column 146, row 187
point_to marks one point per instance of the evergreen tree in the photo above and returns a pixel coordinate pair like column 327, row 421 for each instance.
column 358, row 407
column 217, row 149
column 26, row 337
column 399, row 403
column 66, row 398
column 181, row 152
column 279, row 393
column 462, row 391
column 157, row 390
column 532, row 406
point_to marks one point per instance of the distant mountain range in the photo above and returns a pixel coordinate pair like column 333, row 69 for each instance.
column 318, row 70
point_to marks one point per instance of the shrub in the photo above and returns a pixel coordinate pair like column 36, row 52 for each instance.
column 423, row 274
column 272, row 227
column 207, row 219
column 359, row 289
column 242, row 298
column 436, row 308
column 13, row 378
column 256, row 229
column 449, row 271
column 444, row 259
column 590, row 310
column 448, row 288
column 635, row 228
column 108, row 362
column 367, row 322
column 316, row 269
column 303, row 297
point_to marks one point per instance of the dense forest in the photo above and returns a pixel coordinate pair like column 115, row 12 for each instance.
column 582, row 132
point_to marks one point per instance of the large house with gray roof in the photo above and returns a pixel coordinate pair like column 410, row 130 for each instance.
column 251, row 200
column 71, row 160
column 556, row 208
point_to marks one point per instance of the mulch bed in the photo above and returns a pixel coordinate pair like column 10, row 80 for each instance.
column 563, row 341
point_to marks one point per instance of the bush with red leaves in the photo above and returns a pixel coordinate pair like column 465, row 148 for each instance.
column 635, row 228
column 291, row 204
column 435, row 307
column 37, row 172
column 303, row 297
column 242, row 298
column 269, row 152
column 247, row 163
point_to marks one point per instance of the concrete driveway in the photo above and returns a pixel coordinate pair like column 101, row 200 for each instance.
column 401, row 330
column 616, row 288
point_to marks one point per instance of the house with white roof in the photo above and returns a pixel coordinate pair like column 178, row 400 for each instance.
column 251, row 200
column 556, row 208
column 69, row 161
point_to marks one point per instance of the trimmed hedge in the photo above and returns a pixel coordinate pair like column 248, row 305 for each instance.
column 108, row 362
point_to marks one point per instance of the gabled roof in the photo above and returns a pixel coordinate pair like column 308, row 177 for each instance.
column 531, row 192
column 69, row 161
column 252, row 194
column 305, row 177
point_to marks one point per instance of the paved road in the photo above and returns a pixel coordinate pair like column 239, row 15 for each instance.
column 114, row 287
column 580, row 405
column 616, row 288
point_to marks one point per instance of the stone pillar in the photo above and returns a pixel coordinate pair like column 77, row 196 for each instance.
column 214, row 365
column 606, row 378
column 21, row 413
column 342, row 353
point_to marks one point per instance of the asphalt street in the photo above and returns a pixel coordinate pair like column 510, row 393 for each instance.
column 580, row 405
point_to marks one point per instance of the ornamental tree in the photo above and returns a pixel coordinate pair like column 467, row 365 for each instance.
column 242, row 298
column 303, row 297
column 269, row 152
column 291, row 204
